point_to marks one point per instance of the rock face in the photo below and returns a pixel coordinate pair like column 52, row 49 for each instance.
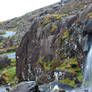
column 53, row 42
column 26, row 87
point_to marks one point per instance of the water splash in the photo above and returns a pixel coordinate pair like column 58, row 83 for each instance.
column 55, row 89
column 87, row 81
column 56, row 76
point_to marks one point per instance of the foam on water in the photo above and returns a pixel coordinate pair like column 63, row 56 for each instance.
column 87, row 81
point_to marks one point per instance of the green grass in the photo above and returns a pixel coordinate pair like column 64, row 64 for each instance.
column 1, row 44
column 9, row 48
column 80, row 76
column 9, row 75
column 47, row 65
column 69, row 82
column 8, row 53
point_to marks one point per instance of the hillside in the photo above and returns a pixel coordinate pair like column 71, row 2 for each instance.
column 51, row 45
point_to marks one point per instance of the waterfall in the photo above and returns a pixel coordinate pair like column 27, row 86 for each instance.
column 56, row 76
column 87, row 81
column 56, row 88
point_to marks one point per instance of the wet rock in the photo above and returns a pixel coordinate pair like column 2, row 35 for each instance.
column 61, row 86
column 88, row 27
column 30, row 86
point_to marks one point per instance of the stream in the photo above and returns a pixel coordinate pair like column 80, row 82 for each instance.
column 10, row 56
column 8, row 34
column 5, row 89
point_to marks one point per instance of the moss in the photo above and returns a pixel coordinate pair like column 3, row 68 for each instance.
column 9, row 75
column 89, row 15
column 1, row 44
column 51, row 18
column 84, row 7
column 40, row 59
column 47, row 65
column 69, row 82
column 53, row 28
column 66, row 66
column 8, row 49
column 65, row 34
column 55, row 63
column 80, row 76
column 13, row 62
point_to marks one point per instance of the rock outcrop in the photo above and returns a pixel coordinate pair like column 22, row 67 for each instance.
column 30, row 86
column 55, row 42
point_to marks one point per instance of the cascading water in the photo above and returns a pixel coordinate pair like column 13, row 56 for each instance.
column 87, row 82
column 56, row 88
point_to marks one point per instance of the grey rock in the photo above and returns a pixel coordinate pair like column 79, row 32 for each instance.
column 30, row 86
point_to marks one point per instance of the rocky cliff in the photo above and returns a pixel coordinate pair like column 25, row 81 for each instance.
column 22, row 24
column 56, row 44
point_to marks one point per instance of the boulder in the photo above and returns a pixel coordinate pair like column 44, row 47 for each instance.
column 53, row 38
column 45, row 47
column 88, row 27
column 30, row 86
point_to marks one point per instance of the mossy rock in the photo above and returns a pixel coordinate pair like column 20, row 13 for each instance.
column 89, row 15
column 83, row 7
column 53, row 28
column 65, row 35
column 13, row 62
column 69, row 82
column 51, row 18
column 9, row 76
column 1, row 44
column 9, row 49
column 9, row 73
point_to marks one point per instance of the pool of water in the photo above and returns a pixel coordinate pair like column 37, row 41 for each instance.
column 8, row 34
column 4, row 89
column 10, row 55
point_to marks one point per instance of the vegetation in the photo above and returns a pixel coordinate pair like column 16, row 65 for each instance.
column 89, row 15
column 84, row 7
column 9, row 49
column 53, row 28
column 69, row 82
column 51, row 18
column 9, row 73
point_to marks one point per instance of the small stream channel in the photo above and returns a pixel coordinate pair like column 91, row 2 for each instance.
column 8, row 34
column 10, row 56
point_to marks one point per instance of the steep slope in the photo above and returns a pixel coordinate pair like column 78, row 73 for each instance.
column 22, row 24
column 55, row 43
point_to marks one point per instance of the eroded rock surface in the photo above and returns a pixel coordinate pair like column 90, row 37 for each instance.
column 54, row 43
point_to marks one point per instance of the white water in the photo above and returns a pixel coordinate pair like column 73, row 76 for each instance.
column 87, row 82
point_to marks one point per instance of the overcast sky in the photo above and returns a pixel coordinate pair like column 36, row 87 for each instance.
column 14, row 8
